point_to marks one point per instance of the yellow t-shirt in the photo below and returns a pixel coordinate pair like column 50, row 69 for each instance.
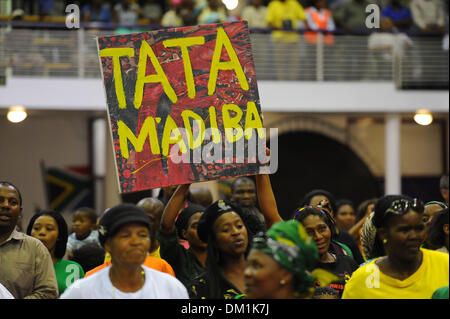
column 368, row 282
column 289, row 11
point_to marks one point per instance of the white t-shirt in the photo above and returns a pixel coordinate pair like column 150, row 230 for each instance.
column 158, row 285
column 4, row 293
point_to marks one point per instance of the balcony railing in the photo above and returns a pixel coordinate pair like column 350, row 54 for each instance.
column 408, row 61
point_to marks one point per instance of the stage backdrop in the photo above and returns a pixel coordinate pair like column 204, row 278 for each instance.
column 183, row 105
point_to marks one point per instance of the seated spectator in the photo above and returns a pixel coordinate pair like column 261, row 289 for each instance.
column 125, row 235
column 351, row 16
column 45, row 7
column 153, row 11
column 26, row 268
column 189, row 13
column 84, row 226
column 428, row 15
column 97, row 11
column 400, row 15
column 127, row 13
column 51, row 229
column 214, row 12
column 171, row 18
column 89, row 256
column 255, row 14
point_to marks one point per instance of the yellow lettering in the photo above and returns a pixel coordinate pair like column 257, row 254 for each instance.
column 184, row 43
column 186, row 115
column 231, row 123
column 167, row 139
column 217, row 137
column 145, row 52
column 216, row 65
column 116, row 53
column 147, row 129
column 253, row 120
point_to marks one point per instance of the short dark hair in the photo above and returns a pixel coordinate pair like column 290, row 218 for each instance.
column 15, row 187
column 240, row 180
column 89, row 256
column 89, row 212
column 61, row 242
column 436, row 235
column 343, row 202
column 443, row 182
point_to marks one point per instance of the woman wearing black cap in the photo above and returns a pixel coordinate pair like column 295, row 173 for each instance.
column 124, row 232
column 222, row 227
column 187, row 263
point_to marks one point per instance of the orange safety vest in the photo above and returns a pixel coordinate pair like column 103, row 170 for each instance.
column 321, row 21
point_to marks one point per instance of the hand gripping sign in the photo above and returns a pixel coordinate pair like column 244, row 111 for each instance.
column 183, row 105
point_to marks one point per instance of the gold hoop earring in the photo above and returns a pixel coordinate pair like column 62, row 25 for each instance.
column 384, row 241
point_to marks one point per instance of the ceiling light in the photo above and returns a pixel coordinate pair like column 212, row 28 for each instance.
column 423, row 117
column 16, row 114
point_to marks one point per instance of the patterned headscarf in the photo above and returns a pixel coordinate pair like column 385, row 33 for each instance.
column 288, row 243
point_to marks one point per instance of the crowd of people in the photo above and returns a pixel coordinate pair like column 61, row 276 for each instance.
column 183, row 245
column 348, row 16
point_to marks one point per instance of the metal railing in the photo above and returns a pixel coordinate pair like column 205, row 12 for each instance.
column 407, row 61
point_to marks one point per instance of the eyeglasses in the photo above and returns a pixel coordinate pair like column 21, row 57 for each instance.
column 401, row 206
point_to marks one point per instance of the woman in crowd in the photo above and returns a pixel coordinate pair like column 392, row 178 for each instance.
column 407, row 271
column 430, row 211
column 325, row 200
column 320, row 227
column 223, row 229
column 51, row 229
column 281, row 264
column 187, row 263
column 345, row 214
column 438, row 234
column 124, row 232
column 371, row 244
column 364, row 210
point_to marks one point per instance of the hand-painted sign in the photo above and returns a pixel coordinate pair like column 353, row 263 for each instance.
column 183, row 105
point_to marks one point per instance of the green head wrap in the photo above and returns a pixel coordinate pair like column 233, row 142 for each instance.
column 288, row 243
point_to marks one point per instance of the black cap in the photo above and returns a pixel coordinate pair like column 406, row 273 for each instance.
column 116, row 217
column 183, row 218
column 212, row 212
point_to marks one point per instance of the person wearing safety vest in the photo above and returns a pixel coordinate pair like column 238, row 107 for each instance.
column 319, row 18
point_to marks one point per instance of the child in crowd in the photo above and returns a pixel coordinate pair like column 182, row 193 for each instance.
column 84, row 226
